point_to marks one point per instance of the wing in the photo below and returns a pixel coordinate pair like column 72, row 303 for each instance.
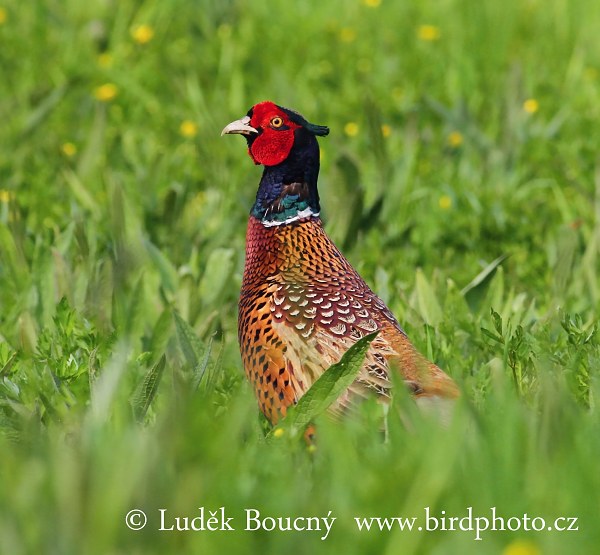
column 318, row 326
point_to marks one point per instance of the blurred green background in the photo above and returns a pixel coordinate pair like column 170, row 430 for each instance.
column 461, row 179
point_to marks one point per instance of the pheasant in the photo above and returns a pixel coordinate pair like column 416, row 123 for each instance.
column 302, row 304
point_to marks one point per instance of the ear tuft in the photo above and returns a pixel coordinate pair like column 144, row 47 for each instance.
column 319, row 130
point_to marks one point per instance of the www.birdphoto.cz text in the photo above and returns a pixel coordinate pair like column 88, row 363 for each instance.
column 253, row 520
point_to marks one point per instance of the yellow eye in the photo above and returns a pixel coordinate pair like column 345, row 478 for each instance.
column 276, row 122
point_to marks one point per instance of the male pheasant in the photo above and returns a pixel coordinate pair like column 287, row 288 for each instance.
column 302, row 304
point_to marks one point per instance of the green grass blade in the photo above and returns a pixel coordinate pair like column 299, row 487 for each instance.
column 43, row 110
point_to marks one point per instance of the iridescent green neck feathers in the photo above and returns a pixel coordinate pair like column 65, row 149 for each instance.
column 291, row 204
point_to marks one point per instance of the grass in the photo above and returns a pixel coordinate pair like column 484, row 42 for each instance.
column 461, row 178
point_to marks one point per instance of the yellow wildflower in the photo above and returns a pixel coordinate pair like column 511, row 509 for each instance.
column 142, row 34
column 106, row 92
column 386, row 130
column 428, row 32
column 445, row 202
column 105, row 59
column 3, row 15
column 69, row 149
column 4, row 196
column 348, row 34
column 531, row 105
column 278, row 432
column 188, row 129
column 455, row 139
column 372, row 3
column 521, row 547
column 351, row 129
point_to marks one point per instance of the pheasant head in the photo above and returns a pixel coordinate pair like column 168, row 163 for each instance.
column 285, row 144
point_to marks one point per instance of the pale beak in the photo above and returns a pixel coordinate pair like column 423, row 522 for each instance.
column 239, row 126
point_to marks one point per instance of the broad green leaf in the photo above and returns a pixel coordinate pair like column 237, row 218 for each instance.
column 83, row 196
column 27, row 332
column 480, row 278
column 216, row 275
column 105, row 389
column 475, row 290
column 497, row 321
column 93, row 367
column 168, row 273
column 94, row 146
column 161, row 332
column 44, row 277
column 567, row 244
column 495, row 293
column 345, row 183
column 146, row 390
column 492, row 335
column 137, row 307
column 429, row 307
column 11, row 257
column 201, row 367
column 7, row 366
column 196, row 353
column 330, row 385
column 188, row 340
column 212, row 369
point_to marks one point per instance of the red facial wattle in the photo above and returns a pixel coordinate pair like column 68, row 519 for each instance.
column 276, row 139
column 272, row 147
